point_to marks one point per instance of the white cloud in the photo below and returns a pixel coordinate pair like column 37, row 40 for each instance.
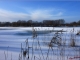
column 45, row 14
column 59, row 14
column 11, row 16
column 40, row 14
column 34, row 15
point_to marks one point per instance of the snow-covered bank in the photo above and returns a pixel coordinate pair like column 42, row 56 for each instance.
column 11, row 39
column 9, row 55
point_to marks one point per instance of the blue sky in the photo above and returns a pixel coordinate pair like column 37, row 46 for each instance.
column 39, row 10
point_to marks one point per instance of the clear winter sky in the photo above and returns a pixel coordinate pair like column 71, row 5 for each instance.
column 11, row 10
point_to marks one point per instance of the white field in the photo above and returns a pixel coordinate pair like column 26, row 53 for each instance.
column 12, row 37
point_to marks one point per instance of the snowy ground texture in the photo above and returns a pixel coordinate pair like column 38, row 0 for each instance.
column 11, row 39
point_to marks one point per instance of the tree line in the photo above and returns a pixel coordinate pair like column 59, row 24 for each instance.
column 44, row 23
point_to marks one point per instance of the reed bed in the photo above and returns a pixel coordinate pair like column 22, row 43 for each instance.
column 58, row 48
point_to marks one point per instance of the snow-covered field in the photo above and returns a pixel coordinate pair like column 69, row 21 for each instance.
column 12, row 37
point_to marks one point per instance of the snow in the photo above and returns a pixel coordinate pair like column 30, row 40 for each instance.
column 10, row 43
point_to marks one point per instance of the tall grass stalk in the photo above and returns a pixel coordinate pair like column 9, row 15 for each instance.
column 41, row 49
column 5, row 55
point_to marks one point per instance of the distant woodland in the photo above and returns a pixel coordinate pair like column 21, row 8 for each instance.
column 44, row 23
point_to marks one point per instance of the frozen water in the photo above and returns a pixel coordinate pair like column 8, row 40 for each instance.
column 12, row 37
